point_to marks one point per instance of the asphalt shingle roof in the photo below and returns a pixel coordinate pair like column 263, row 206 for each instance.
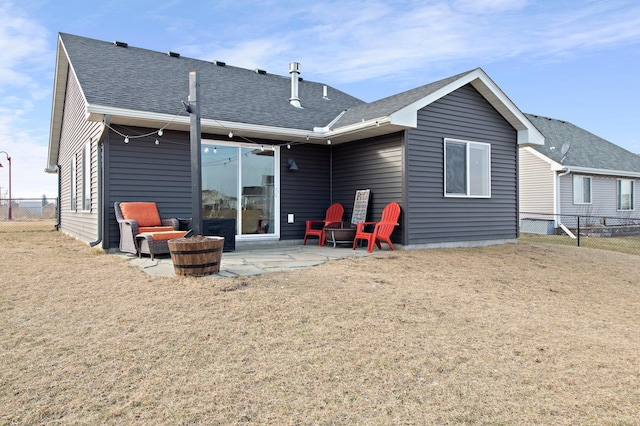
column 386, row 106
column 146, row 80
column 570, row 145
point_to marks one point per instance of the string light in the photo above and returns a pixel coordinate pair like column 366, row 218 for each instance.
column 328, row 141
column 157, row 142
column 126, row 139
column 288, row 146
column 261, row 147
column 215, row 150
column 160, row 132
column 231, row 134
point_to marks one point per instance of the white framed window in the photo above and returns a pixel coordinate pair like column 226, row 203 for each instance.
column 581, row 189
column 626, row 194
column 74, row 183
column 242, row 181
column 467, row 169
column 86, row 177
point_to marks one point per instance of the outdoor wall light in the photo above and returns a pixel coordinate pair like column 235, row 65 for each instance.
column 292, row 165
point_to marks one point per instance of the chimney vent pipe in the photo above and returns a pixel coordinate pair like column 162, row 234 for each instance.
column 294, row 70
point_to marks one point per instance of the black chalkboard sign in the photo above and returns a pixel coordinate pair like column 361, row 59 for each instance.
column 360, row 206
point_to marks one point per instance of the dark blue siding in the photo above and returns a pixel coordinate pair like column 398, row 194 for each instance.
column 432, row 218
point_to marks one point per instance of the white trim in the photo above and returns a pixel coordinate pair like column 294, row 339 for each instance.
column 573, row 189
column 528, row 134
column 276, row 190
column 467, row 145
column 633, row 195
column 605, row 172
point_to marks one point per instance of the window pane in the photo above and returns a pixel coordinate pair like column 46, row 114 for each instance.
column 86, row 177
column 74, row 184
column 257, row 191
column 581, row 189
column 219, row 182
column 625, row 194
column 479, row 176
column 586, row 186
column 455, row 168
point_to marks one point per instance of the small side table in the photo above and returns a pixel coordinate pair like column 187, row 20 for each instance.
column 340, row 233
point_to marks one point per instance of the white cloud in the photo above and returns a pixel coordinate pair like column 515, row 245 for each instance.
column 25, row 58
column 358, row 41
column 23, row 43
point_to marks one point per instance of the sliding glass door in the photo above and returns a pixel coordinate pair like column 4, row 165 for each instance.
column 240, row 181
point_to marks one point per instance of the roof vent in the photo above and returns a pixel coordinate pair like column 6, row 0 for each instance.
column 173, row 54
column 325, row 93
column 120, row 43
column 259, row 71
column 220, row 63
column 294, row 70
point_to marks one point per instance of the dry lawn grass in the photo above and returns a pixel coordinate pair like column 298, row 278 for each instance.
column 513, row 334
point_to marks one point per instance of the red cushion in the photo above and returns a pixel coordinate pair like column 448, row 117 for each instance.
column 142, row 229
column 167, row 235
column 145, row 213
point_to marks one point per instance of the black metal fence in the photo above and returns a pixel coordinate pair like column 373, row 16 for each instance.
column 616, row 233
column 26, row 211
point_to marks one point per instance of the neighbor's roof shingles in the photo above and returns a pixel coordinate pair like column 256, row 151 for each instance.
column 582, row 148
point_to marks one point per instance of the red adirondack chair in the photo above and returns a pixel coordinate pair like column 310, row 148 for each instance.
column 381, row 230
column 315, row 228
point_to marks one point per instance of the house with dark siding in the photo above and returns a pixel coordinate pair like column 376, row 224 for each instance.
column 277, row 149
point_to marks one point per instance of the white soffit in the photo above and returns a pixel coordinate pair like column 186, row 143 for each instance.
column 527, row 132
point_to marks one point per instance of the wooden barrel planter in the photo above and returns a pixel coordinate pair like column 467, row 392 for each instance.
column 196, row 256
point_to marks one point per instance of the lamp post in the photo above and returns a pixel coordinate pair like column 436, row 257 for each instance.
column 10, row 217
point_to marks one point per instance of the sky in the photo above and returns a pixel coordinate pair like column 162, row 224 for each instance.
column 571, row 60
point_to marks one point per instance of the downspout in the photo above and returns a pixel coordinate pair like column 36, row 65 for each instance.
column 56, row 169
column 100, row 191
column 59, row 207
column 331, row 175
column 557, row 217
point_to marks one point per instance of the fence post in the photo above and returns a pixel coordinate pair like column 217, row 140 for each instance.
column 578, row 231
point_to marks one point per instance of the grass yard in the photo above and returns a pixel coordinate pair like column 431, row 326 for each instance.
column 515, row 334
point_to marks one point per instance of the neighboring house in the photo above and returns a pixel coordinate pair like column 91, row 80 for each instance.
column 279, row 150
column 576, row 173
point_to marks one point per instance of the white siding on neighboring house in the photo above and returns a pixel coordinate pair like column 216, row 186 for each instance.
column 536, row 184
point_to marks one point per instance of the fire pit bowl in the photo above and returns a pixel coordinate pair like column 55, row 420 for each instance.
column 340, row 233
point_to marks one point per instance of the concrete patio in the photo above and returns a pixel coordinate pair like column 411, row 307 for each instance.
column 254, row 260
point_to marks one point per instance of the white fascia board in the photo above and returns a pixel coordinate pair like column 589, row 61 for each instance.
column 146, row 118
column 601, row 172
column 356, row 127
column 96, row 113
column 527, row 132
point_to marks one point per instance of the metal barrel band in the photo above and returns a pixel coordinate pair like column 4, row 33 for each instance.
column 213, row 250
column 202, row 265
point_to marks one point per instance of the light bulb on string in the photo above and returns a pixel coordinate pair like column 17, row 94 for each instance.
column 273, row 147
column 230, row 134
column 328, row 141
column 126, row 139
column 160, row 132
column 288, row 146
column 215, row 150
column 261, row 147
column 157, row 142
